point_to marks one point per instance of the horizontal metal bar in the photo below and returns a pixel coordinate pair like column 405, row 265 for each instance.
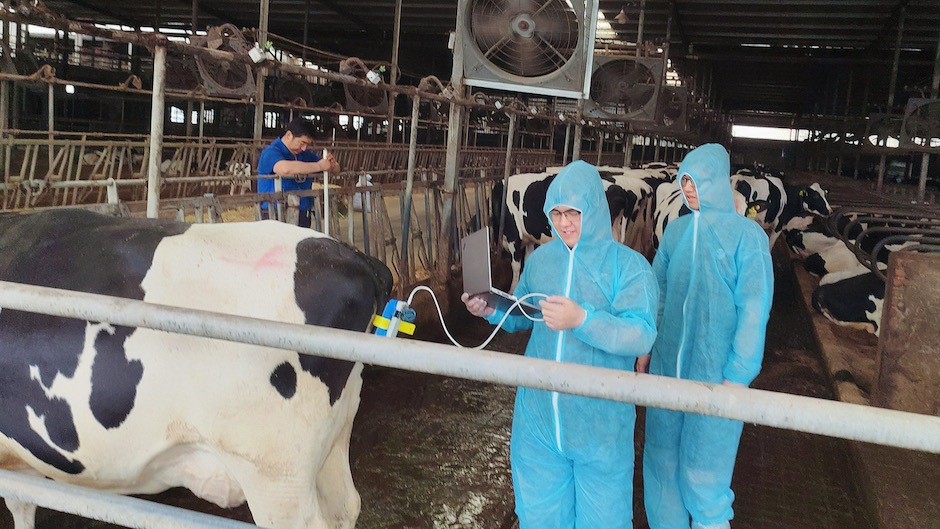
column 106, row 506
column 837, row 419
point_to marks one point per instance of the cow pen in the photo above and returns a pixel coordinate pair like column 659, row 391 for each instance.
column 787, row 411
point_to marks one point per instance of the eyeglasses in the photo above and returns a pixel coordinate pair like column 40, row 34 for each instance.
column 571, row 214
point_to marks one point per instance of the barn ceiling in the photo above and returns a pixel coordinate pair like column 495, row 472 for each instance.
column 758, row 60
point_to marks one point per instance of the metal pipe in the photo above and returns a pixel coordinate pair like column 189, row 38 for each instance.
column 106, row 506
column 578, row 126
column 600, row 145
column 564, row 157
column 4, row 102
column 627, row 150
column 452, row 160
column 639, row 29
column 50, row 104
column 393, row 79
column 409, row 187
column 262, row 72
column 156, row 132
column 780, row 410
column 897, row 56
column 326, row 198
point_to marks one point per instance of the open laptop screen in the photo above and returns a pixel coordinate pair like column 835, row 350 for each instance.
column 477, row 274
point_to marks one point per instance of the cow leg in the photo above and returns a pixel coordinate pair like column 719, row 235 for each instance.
column 24, row 514
column 280, row 503
column 339, row 499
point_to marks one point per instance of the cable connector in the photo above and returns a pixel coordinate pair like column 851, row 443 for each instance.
column 396, row 316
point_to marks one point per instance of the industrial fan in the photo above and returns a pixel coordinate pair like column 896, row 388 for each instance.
column 624, row 88
column 533, row 46
column 362, row 98
column 221, row 77
column 921, row 124
column 181, row 72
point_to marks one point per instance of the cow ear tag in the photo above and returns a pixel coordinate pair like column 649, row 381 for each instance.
column 396, row 316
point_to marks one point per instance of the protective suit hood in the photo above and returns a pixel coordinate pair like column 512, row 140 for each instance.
column 578, row 186
column 710, row 168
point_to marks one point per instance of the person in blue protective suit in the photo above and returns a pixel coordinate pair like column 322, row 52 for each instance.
column 572, row 456
column 289, row 157
column 716, row 284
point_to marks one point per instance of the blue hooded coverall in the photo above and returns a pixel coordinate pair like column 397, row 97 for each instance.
column 716, row 284
column 572, row 456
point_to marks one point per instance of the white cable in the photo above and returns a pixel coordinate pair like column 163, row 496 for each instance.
column 498, row 325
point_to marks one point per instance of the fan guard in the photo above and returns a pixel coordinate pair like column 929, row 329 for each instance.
column 362, row 98
column 220, row 77
column 532, row 46
column 527, row 38
column 921, row 126
column 624, row 89
column 673, row 104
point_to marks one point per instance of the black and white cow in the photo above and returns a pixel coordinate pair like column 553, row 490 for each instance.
column 854, row 301
column 820, row 250
column 849, row 293
column 139, row 411
column 779, row 201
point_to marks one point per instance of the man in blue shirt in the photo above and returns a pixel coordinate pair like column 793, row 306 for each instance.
column 290, row 158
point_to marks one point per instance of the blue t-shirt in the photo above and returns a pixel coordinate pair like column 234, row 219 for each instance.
column 275, row 152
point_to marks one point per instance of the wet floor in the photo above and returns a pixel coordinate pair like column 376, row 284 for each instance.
column 432, row 452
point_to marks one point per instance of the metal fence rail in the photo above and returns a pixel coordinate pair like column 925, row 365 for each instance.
column 37, row 170
column 106, row 506
column 807, row 414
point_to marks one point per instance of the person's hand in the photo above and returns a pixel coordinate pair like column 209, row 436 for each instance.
column 330, row 163
column 476, row 305
column 642, row 364
column 726, row 382
column 561, row 313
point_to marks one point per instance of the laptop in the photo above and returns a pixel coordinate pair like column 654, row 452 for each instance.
column 478, row 278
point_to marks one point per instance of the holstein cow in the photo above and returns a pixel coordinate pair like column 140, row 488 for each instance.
column 821, row 251
column 855, row 301
column 848, row 292
column 527, row 226
column 139, row 411
column 779, row 201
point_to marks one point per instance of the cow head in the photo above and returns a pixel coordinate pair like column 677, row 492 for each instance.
column 814, row 199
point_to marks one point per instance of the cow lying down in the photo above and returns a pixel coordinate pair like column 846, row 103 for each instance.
column 140, row 411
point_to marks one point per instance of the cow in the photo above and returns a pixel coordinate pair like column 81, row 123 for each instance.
column 820, row 250
column 855, row 301
column 779, row 201
column 847, row 293
column 133, row 410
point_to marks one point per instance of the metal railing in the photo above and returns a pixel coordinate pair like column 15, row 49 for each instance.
column 868, row 232
column 780, row 410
